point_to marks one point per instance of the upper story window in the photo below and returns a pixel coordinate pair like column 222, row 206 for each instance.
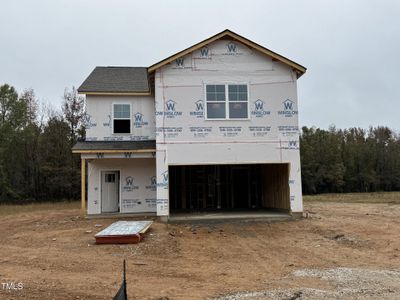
column 216, row 103
column 227, row 101
column 122, row 118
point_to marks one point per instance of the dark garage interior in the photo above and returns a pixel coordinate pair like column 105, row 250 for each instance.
column 200, row 188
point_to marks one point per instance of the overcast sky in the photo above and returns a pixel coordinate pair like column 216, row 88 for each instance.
column 351, row 48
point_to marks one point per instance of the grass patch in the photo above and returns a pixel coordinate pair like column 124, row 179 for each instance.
column 10, row 209
column 378, row 197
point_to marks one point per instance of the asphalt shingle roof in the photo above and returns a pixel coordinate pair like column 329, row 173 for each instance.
column 116, row 79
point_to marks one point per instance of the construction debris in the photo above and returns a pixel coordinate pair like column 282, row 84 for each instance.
column 123, row 232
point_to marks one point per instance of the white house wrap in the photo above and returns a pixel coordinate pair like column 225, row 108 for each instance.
column 224, row 118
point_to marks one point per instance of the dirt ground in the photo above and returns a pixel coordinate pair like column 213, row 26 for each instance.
column 341, row 251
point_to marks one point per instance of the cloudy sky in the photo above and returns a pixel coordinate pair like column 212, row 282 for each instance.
column 351, row 48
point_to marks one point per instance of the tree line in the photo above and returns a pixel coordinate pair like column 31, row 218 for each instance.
column 36, row 162
column 350, row 160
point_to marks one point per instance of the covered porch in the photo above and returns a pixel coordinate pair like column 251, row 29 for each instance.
column 117, row 177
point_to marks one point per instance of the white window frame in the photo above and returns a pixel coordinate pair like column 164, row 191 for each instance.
column 130, row 118
column 227, row 118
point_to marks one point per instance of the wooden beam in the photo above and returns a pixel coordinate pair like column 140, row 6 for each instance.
column 183, row 187
column 270, row 53
column 218, row 182
column 114, row 151
column 83, row 186
column 204, row 187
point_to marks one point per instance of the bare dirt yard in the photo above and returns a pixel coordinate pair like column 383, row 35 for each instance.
column 347, row 248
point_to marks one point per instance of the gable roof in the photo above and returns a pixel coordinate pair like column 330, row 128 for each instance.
column 117, row 80
column 299, row 69
column 135, row 80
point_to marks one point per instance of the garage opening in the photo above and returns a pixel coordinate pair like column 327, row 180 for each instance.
column 229, row 187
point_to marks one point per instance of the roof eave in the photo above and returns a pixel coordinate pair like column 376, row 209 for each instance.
column 105, row 93
column 93, row 151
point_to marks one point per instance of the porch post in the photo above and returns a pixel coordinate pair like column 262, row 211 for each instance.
column 83, row 186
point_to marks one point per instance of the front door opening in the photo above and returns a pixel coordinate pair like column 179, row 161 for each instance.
column 229, row 187
column 109, row 191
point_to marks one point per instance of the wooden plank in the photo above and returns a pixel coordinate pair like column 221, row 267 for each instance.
column 183, row 187
column 83, row 186
column 204, row 187
column 218, row 183
column 114, row 151
column 249, row 173
column 123, row 232
column 121, row 239
column 276, row 192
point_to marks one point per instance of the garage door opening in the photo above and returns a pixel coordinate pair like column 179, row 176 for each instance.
column 229, row 187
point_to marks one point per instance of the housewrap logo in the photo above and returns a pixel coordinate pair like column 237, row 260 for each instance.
column 170, row 110
column 231, row 48
column 130, row 184
column 164, row 180
column 107, row 124
column 153, row 183
column 291, row 145
column 198, row 109
column 288, row 108
column 139, row 122
column 259, row 111
column 204, row 52
column 179, row 62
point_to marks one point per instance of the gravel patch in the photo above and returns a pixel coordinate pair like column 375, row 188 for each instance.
column 347, row 283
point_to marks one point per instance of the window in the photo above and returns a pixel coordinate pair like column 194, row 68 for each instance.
column 235, row 106
column 215, row 101
column 109, row 178
column 238, row 101
column 122, row 118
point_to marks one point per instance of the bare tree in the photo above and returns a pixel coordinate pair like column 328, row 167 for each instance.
column 32, row 105
column 73, row 108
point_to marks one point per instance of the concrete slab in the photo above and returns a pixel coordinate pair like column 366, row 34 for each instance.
column 214, row 217
column 118, row 215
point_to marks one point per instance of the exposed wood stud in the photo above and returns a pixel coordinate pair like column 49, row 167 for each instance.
column 183, row 187
column 83, row 186
column 225, row 187
column 204, row 187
